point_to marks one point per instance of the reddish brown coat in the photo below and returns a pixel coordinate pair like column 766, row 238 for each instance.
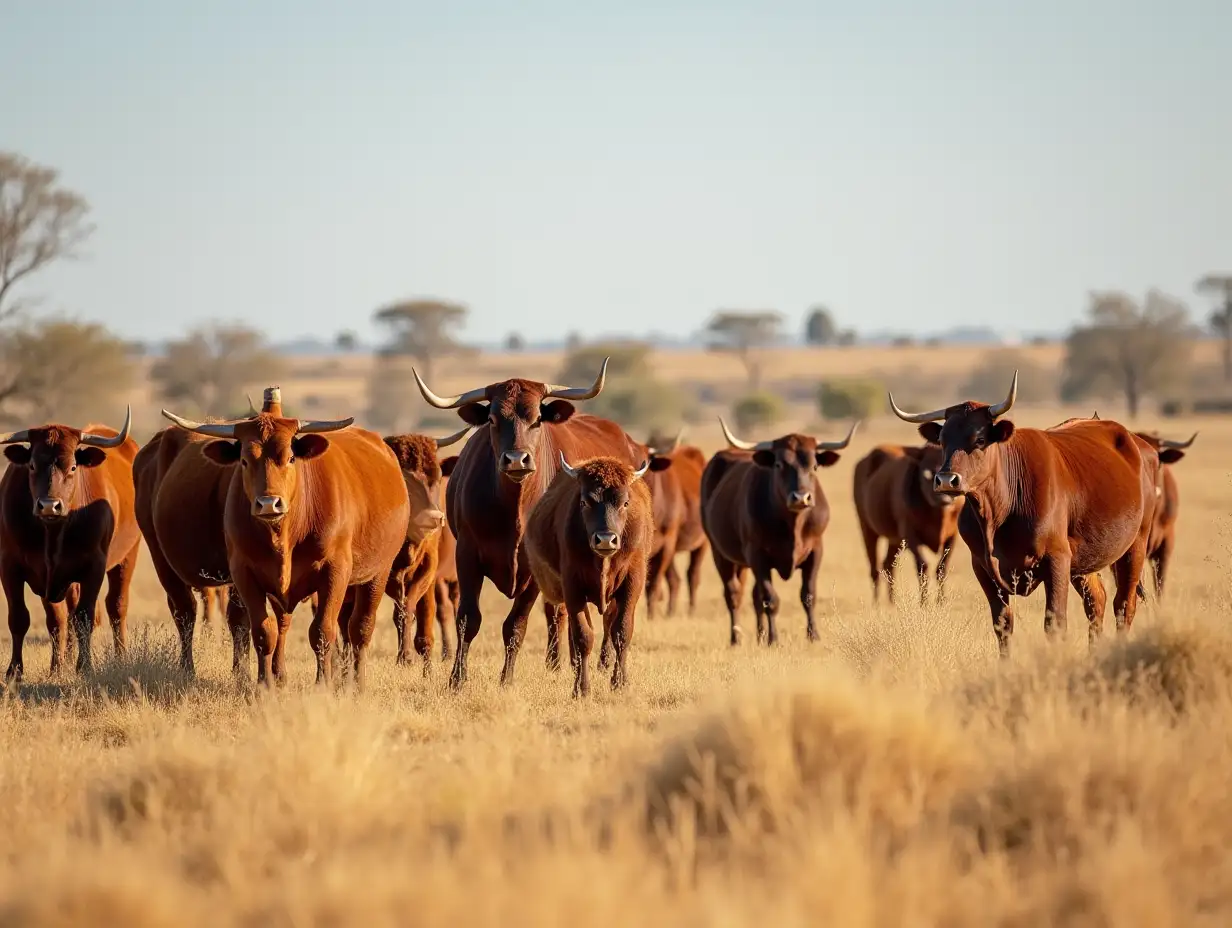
column 446, row 587
column 676, row 491
column 65, row 561
column 1162, row 542
column 895, row 500
column 604, row 497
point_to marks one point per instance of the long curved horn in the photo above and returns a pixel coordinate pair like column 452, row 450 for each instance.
column 101, row 441
column 213, row 429
column 741, row 444
column 839, row 445
column 676, row 440
column 578, row 393
column 454, row 438
column 934, row 416
column 1178, row 445
column 448, row 402
column 1000, row 409
column 11, row 438
column 315, row 426
column 571, row 471
column 641, row 471
column 252, row 410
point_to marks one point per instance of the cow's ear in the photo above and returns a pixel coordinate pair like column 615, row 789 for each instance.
column 18, row 454
column 222, row 451
column 448, row 465
column 827, row 458
column 1001, row 430
column 931, row 432
column 475, row 414
column 309, row 446
column 557, row 411
column 89, row 456
column 1170, row 455
column 764, row 458
column 660, row 462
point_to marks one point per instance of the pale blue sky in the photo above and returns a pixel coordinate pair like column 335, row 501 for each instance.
column 626, row 166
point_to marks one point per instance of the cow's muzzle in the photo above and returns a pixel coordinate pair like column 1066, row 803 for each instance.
column 50, row 508
column 517, row 465
column 605, row 544
column 269, row 508
column 425, row 523
column 949, row 483
column 799, row 501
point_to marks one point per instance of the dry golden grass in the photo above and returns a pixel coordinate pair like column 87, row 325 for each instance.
column 894, row 773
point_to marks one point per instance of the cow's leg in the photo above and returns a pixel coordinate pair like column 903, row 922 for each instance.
column 56, row 615
column 1094, row 602
column 1160, row 562
column 655, row 577
column 323, row 632
column 618, row 624
column 342, row 647
column 998, row 605
column 396, row 590
column 893, row 550
column 921, row 570
column 1128, row 574
column 731, row 575
column 696, row 557
column 810, row 567
column 605, row 649
column 14, row 581
column 423, row 595
column 1056, row 592
column 672, row 577
column 870, row 550
column 278, row 665
column 445, row 612
column 367, row 597
column 942, row 570
column 264, row 629
column 180, row 601
column 85, row 617
column 241, row 634
column 469, row 617
column 581, row 641
column 514, row 630
column 119, row 580
column 766, row 604
column 556, row 619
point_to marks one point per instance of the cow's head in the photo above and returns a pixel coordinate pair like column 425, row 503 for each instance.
column 660, row 449
column 793, row 459
column 515, row 412
column 1169, row 451
column 53, row 454
column 267, row 448
column 965, row 433
column 422, row 473
column 927, row 465
column 604, row 489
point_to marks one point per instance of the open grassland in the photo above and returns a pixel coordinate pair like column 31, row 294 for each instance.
column 893, row 773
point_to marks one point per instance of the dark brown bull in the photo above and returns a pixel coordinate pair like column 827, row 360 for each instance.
column 588, row 540
column 763, row 508
column 1050, row 506
column 412, row 582
column 895, row 500
column 676, row 492
column 308, row 516
column 1162, row 542
column 501, row 473
column 66, row 522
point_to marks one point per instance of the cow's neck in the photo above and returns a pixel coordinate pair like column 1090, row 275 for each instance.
column 996, row 498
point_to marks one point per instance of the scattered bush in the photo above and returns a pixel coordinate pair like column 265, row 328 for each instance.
column 851, row 399
column 757, row 410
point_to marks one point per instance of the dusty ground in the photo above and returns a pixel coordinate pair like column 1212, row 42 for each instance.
column 891, row 774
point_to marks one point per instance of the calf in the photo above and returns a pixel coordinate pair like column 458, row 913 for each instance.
column 587, row 541
column 66, row 522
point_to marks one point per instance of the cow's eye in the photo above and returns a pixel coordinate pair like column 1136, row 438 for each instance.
column 292, row 460
column 72, row 469
column 243, row 462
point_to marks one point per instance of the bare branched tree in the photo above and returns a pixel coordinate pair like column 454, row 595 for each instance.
column 40, row 222
column 211, row 369
column 1220, row 319
column 1136, row 350
column 744, row 332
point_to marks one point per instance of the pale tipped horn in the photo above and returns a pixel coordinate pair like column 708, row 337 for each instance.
column 448, row 402
column 676, row 440
column 1000, row 409
column 454, row 438
column 213, row 429
column 641, row 471
column 316, row 426
column 252, row 410
column 933, row 416
column 102, row 441
column 839, row 445
column 11, row 438
column 740, row 443
column 571, row 471
column 578, row 393
column 1178, row 445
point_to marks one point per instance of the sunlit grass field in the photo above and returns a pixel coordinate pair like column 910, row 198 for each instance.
column 893, row 773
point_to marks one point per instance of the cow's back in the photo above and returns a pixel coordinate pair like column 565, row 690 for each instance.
column 877, row 479
column 688, row 463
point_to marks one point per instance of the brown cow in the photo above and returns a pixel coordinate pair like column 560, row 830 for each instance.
column 66, row 522
column 1167, row 506
column 412, row 582
column 895, row 500
column 676, row 492
column 763, row 508
column 587, row 540
column 307, row 516
column 1050, row 506
column 446, row 587
column 526, row 424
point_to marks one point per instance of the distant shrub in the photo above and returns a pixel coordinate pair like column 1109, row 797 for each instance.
column 638, row 404
column 757, row 410
column 851, row 399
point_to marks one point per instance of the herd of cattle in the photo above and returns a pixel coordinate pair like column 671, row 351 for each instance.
column 261, row 513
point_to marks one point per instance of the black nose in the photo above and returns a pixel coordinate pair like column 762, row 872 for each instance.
column 605, row 542
column 947, row 480
column 48, row 507
column 517, row 460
